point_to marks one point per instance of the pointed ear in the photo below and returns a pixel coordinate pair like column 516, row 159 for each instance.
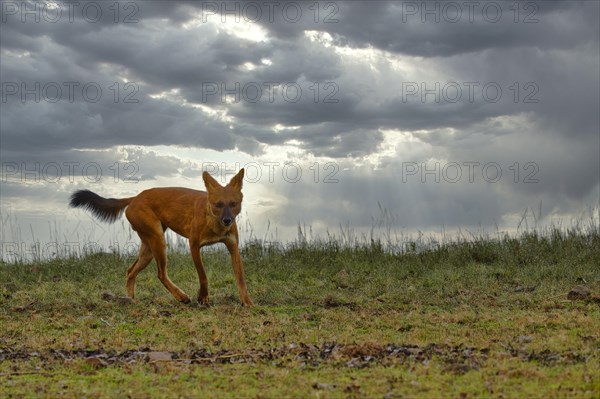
column 210, row 181
column 237, row 180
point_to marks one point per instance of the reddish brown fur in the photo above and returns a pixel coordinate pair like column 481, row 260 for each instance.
column 203, row 218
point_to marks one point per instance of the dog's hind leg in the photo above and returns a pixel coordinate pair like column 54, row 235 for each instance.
column 144, row 258
column 158, row 246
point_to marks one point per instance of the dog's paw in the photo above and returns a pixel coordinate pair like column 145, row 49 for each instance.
column 203, row 300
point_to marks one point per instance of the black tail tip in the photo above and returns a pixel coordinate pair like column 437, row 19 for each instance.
column 105, row 209
column 82, row 198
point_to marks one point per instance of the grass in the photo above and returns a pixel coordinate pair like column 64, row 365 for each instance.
column 480, row 318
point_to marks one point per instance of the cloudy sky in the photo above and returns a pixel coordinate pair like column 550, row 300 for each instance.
column 446, row 115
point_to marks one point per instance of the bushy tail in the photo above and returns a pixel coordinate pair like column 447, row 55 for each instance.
column 105, row 209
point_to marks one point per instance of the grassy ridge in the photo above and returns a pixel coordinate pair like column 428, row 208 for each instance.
column 484, row 318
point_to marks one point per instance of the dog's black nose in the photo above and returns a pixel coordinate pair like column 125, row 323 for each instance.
column 227, row 221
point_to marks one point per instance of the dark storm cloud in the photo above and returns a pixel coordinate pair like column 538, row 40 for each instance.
column 399, row 26
column 154, row 122
column 439, row 28
column 159, row 55
column 58, row 168
column 63, row 54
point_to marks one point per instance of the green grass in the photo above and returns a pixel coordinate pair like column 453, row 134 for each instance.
column 484, row 318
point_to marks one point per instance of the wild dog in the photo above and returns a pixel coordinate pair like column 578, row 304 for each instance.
column 204, row 218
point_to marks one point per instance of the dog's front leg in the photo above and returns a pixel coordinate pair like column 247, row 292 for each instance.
column 203, row 292
column 238, row 269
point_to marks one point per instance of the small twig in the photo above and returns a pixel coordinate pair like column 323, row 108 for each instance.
column 28, row 372
column 23, row 308
column 229, row 356
column 105, row 322
column 556, row 296
column 171, row 360
column 210, row 359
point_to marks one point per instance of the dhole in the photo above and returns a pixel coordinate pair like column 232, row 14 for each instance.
column 203, row 218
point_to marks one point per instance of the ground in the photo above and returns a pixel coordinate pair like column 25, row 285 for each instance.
column 486, row 318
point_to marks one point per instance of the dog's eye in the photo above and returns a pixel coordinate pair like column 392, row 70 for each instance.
column 232, row 204
column 219, row 205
